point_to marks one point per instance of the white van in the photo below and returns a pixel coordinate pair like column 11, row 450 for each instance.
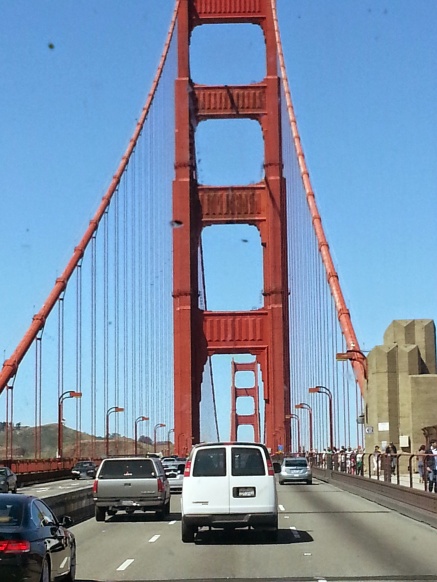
column 229, row 485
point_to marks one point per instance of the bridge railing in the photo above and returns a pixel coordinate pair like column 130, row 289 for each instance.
column 32, row 471
column 399, row 468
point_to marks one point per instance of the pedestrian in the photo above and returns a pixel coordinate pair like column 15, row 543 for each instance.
column 376, row 459
column 387, row 460
column 430, row 465
column 420, row 462
column 394, row 456
column 360, row 461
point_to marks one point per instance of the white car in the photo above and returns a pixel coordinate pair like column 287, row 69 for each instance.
column 175, row 476
column 229, row 485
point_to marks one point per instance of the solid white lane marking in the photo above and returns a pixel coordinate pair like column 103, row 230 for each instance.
column 282, row 508
column 153, row 539
column 125, row 565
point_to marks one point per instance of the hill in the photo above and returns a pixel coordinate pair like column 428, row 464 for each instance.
column 75, row 444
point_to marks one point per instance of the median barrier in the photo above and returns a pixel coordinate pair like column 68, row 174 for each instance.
column 78, row 504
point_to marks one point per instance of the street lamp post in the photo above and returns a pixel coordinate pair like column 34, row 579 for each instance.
column 154, row 434
column 137, row 420
column 310, row 411
column 168, row 440
column 353, row 356
column 327, row 391
column 62, row 397
column 110, row 411
column 296, row 417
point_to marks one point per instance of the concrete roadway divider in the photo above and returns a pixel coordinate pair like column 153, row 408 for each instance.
column 79, row 504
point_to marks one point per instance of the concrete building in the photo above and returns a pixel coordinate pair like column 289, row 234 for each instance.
column 401, row 395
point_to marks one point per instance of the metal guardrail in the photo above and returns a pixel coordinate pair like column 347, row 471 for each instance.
column 33, row 471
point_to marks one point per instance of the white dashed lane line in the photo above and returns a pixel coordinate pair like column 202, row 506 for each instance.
column 153, row 539
column 125, row 565
column 281, row 508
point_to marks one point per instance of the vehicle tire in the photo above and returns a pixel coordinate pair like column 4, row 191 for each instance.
column 188, row 532
column 167, row 508
column 112, row 511
column 310, row 482
column 45, row 571
column 281, row 482
column 100, row 513
column 71, row 576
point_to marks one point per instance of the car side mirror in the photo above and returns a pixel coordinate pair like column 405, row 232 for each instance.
column 66, row 521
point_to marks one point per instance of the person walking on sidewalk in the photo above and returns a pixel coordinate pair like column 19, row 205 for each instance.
column 431, row 466
column 420, row 462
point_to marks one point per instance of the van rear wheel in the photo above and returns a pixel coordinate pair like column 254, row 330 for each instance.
column 188, row 532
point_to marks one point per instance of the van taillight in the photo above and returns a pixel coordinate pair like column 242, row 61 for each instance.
column 187, row 469
column 270, row 468
column 95, row 486
column 160, row 485
column 14, row 546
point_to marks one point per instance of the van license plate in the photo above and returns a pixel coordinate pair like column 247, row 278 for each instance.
column 246, row 491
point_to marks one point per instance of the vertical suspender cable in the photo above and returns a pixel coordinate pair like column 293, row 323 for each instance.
column 359, row 361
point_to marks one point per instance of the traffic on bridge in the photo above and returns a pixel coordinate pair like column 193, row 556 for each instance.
column 193, row 397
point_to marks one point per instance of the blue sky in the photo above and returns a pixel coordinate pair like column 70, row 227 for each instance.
column 364, row 86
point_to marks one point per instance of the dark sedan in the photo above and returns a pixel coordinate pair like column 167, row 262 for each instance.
column 8, row 480
column 34, row 545
column 83, row 470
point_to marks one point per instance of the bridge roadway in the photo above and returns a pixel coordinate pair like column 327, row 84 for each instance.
column 325, row 534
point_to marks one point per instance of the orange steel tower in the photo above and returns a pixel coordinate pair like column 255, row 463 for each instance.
column 251, row 392
column 263, row 332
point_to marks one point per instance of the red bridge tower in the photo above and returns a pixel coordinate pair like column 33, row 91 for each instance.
column 263, row 332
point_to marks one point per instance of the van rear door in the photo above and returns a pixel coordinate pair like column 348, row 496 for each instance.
column 252, row 489
column 208, row 487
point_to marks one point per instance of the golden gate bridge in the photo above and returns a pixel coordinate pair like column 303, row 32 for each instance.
column 128, row 328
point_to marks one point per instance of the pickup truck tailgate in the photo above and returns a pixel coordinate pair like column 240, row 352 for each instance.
column 127, row 479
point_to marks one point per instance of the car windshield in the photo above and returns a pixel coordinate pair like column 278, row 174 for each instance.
column 11, row 514
column 295, row 462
